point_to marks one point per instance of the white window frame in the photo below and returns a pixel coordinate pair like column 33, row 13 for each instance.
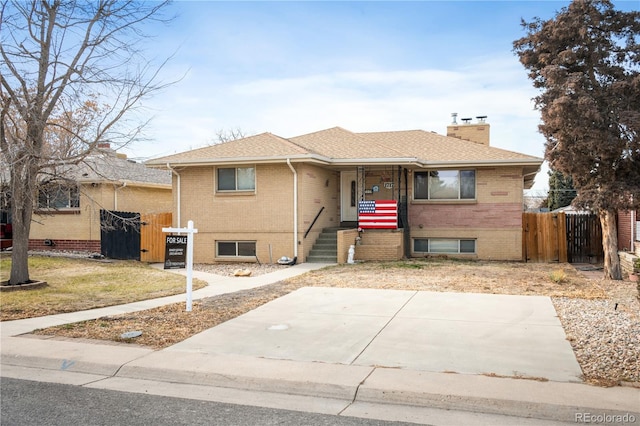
column 458, row 240
column 235, row 173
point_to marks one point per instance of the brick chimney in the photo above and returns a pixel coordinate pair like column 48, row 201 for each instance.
column 475, row 132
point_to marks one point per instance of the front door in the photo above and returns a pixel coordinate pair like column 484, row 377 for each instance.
column 348, row 197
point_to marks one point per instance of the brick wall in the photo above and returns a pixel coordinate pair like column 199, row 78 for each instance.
column 84, row 223
column 317, row 188
column 624, row 231
column 494, row 219
column 479, row 133
column 346, row 238
column 380, row 244
column 66, row 245
column 264, row 215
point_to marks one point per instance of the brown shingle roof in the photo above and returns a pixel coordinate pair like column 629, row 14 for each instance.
column 338, row 145
column 431, row 147
column 264, row 145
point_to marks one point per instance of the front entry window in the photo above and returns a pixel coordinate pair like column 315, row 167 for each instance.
column 353, row 193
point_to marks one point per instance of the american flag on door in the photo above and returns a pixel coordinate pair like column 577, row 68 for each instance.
column 378, row 214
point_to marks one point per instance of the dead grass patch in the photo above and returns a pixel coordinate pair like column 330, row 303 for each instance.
column 80, row 284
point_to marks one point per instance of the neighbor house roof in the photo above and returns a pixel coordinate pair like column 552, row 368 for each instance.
column 105, row 165
column 264, row 146
column 337, row 147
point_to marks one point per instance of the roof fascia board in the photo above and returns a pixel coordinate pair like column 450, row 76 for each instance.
column 246, row 160
column 408, row 161
column 481, row 163
column 127, row 182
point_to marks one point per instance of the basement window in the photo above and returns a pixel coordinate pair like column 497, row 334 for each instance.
column 235, row 248
column 444, row 246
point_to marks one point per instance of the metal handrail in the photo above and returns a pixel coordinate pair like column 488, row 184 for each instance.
column 313, row 223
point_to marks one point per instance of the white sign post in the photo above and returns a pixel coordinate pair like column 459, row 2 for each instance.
column 189, row 230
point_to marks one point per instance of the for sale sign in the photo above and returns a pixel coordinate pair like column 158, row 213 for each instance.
column 175, row 254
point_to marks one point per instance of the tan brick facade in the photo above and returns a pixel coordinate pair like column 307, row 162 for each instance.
column 373, row 166
column 79, row 229
column 479, row 132
column 264, row 215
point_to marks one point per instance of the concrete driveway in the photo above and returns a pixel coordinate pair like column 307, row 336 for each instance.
column 465, row 333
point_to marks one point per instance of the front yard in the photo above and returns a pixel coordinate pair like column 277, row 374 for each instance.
column 601, row 318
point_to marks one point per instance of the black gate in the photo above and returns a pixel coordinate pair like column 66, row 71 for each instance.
column 120, row 235
column 584, row 239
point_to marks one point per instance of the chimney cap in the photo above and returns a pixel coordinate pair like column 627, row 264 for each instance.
column 481, row 118
column 466, row 120
column 454, row 116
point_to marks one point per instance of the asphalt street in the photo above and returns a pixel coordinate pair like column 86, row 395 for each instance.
column 32, row 403
column 29, row 403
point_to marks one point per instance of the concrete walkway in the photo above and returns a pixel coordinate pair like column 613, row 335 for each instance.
column 357, row 352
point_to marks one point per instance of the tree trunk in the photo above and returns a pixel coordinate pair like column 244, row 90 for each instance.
column 612, row 270
column 22, row 201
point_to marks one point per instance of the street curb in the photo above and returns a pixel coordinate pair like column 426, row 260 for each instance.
column 335, row 381
column 68, row 356
column 558, row 401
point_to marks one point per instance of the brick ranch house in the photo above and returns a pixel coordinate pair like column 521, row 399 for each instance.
column 67, row 216
column 264, row 197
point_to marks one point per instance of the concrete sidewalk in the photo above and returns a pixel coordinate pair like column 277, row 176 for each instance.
column 341, row 350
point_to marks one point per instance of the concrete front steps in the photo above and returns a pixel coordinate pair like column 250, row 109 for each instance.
column 325, row 249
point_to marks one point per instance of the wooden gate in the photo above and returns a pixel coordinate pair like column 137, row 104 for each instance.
column 560, row 237
column 152, row 239
column 544, row 237
column 584, row 239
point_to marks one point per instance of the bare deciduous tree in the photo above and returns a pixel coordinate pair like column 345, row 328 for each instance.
column 223, row 136
column 71, row 75
column 586, row 61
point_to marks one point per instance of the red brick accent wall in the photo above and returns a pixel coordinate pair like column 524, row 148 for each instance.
column 71, row 245
column 485, row 215
column 624, row 231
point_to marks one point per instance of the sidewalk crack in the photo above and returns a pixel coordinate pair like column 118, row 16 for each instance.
column 383, row 327
column 355, row 394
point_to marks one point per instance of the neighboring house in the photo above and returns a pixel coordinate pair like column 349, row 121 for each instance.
column 266, row 196
column 67, row 216
column 629, row 231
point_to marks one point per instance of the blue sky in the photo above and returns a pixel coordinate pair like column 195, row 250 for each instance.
column 291, row 68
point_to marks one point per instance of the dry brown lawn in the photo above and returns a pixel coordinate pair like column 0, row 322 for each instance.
column 77, row 284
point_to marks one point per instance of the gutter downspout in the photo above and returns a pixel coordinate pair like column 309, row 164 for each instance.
column 295, row 209
column 115, row 195
column 173, row 171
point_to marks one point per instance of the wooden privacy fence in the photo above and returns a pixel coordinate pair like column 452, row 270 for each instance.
column 133, row 236
column 544, row 237
column 560, row 237
column 152, row 239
